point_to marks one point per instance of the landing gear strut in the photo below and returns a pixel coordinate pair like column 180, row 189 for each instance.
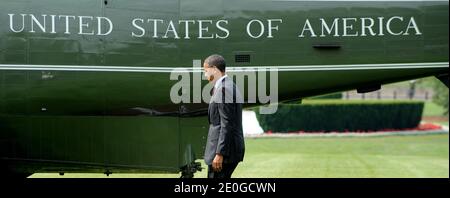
column 189, row 170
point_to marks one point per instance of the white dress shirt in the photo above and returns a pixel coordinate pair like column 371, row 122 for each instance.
column 218, row 81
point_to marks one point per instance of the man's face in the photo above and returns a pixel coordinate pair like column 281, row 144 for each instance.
column 209, row 72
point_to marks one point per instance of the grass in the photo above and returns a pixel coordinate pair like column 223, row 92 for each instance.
column 357, row 157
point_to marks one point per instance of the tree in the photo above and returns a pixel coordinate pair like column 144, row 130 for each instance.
column 440, row 95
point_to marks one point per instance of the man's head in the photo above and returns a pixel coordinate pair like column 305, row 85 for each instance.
column 214, row 67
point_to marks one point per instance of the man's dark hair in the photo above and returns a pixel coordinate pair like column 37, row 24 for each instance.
column 216, row 60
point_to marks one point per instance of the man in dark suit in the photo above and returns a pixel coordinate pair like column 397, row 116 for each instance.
column 225, row 144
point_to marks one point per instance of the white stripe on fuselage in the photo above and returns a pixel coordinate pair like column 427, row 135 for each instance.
column 144, row 69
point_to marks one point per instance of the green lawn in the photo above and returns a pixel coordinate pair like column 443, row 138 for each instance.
column 392, row 156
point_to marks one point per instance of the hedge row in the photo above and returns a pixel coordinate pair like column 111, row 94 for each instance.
column 342, row 116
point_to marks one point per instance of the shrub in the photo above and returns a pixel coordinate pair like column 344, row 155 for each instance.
column 343, row 115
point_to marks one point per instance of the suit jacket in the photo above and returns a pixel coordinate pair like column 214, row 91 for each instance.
column 225, row 134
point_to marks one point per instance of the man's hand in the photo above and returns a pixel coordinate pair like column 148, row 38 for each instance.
column 217, row 163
